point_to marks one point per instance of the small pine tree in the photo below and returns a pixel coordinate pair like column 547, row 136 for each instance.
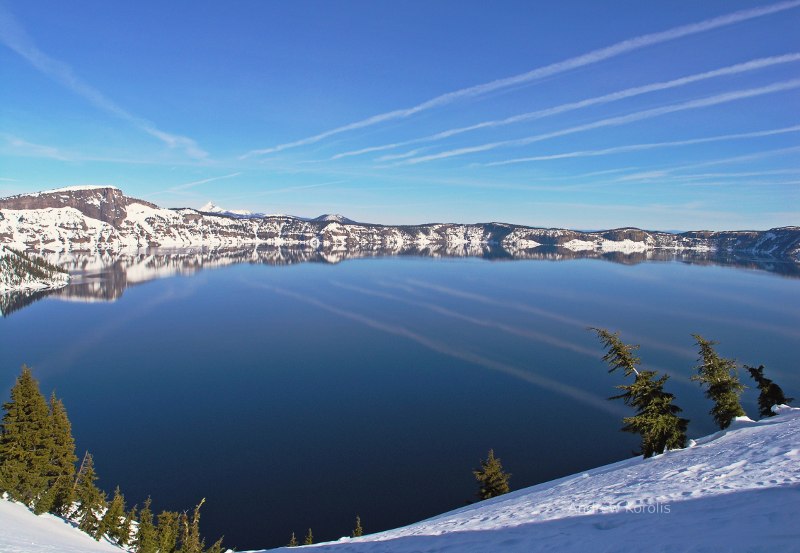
column 115, row 516
column 191, row 541
column 183, row 529
column 62, row 458
column 358, row 531
column 44, row 503
column 216, row 547
column 127, row 527
column 91, row 499
column 769, row 393
column 721, row 381
column 168, row 529
column 491, row 477
column 656, row 419
column 293, row 541
column 309, row 540
column 25, row 441
column 146, row 533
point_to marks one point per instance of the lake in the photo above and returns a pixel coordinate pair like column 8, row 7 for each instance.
column 298, row 394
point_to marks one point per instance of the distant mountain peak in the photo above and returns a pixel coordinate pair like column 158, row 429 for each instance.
column 335, row 217
column 211, row 207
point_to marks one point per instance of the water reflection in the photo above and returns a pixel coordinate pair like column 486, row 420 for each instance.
column 104, row 276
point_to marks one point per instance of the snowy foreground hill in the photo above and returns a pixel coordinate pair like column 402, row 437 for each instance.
column 737, row 490
column 20, row 272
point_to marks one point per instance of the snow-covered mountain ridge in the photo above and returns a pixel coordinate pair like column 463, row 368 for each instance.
column 91, row 218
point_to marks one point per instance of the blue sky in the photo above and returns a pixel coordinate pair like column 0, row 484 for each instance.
column 580, row 114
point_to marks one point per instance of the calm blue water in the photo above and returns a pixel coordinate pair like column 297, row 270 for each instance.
column 299, row 396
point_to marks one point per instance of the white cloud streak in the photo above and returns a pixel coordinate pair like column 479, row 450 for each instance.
column 615, row 121
column 24, row 148
column 752, row 65
column 589, row 58
column 648, row 146
column 735, row 159
column 14, row 37
column 202, row 181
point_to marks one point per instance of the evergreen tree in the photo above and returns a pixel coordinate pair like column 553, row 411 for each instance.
column 44, row 503
column 309, row 540
column 492, row 479
column 721, row 381
column 62, row 458
column 91, row 499
column 183, row 529
column 293, row 541
column 769, row 393
column 358, row 531
column 656, row 419
column 115, row 516
column 127, row 527
column 168, row 529
column 146, row 534
column 216, row 547
column 191, row 542
column 25, row 441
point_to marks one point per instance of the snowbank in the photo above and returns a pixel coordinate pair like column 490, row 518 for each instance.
column 23, row 532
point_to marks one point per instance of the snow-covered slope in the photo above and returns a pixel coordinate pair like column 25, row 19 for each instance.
column 23, row 532
column 735, row 491
column 19, row 271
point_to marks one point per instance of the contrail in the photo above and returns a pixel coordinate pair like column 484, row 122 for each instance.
column 15, row 37
column 589, row 58
column 648, row 146
column 571, row 106
column 203, row 181
column 721, row 161
column 615, row 121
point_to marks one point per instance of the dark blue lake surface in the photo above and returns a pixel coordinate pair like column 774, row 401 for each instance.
column 300, row 396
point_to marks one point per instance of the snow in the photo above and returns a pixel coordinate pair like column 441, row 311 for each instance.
column 527, row 244
column 737, row 490
column 579, row 245
column 10, row 282
column 23, row 532
column 58, row 281
column 625, row 246
column 211, row 207
column 75, row 189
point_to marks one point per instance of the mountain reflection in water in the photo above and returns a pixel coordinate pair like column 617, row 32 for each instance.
column 104, row 276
